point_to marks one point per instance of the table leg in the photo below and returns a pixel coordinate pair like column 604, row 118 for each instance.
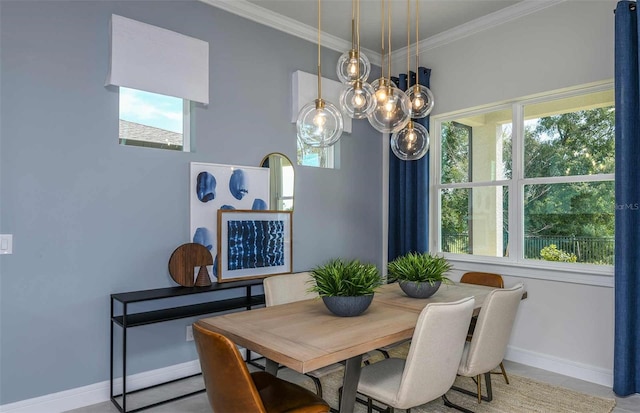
column 271, row 367
column 350, row 384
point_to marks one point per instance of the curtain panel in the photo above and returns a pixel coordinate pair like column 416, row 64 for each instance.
column 626, row 367
column 409, row 190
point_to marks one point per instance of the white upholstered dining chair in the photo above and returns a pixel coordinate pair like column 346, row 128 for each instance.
column 288, row 288
column 431, row 365
column 488, row 345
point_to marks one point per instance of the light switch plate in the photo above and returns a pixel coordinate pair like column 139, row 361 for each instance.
column 6, row 243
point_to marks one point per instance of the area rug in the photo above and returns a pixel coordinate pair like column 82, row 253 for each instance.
column 522, row 395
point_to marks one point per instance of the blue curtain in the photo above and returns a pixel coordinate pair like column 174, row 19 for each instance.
column 626, row 366
column 409, row 190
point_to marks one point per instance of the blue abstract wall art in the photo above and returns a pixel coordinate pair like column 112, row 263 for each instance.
column 238, row 184
column 210, row 193
column 255, row 244
column 259, row 205
column 203, row 237
column 206, row 187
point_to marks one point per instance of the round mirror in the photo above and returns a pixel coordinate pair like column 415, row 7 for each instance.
column 281, row 181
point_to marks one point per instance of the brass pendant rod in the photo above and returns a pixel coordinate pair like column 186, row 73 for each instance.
column 319, row 63
column 417, row 44
column 389, row 40
column 358, row 36
column 382, row 32
column 408, row 42
column 353, row 28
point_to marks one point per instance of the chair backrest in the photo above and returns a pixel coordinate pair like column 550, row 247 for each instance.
column 435, row 352
column 287, row 288
column 483, row 278
column 493, row 330
column 229, row 385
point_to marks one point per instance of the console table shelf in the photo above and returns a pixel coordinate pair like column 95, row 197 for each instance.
column 121, row 317
column 149, row 317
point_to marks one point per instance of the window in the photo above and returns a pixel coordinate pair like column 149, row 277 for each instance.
column 153, row 120
column 318, row 157
column 529, row 181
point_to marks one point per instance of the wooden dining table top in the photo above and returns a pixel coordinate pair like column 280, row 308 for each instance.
column 305, row 336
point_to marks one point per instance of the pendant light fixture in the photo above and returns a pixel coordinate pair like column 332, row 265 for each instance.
column 357, row 99
column 411, row 142
column 421, row 97
column 319, row 123
column 353, row 65
column 392, row 111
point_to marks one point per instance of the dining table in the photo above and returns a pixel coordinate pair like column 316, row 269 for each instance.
column 306, row 336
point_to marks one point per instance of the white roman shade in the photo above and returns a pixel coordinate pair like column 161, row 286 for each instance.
column 157, row 60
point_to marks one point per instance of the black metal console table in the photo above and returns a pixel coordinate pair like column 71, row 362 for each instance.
column 121, row 317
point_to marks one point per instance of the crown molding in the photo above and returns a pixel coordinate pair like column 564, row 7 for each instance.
column 293, row 27
column 290, row 26
column 487, row 22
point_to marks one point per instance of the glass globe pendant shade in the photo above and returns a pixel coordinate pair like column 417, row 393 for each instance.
column 421, row 101
column 393, row 113
column 348, row 70
column 319, row 124
column 380, row 87
column 358, row 100
column 410, row 143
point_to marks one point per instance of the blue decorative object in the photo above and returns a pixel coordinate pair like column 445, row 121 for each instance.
column 259, row 205
column 203, row 236
column 348, row 306
column 206, row 187
column 255, row 244
column 626, row 363
column 238, row 184
column 227, row 207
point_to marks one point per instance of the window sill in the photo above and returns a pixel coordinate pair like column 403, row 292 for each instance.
column 597, row 275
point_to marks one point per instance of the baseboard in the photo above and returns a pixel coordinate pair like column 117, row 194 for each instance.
column 99, row 392
column 558, row 365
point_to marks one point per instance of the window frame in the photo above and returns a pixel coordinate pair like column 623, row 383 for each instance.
column 513, row 265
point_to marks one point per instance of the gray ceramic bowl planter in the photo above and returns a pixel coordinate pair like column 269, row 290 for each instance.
column 344, row 306
column 419, row 289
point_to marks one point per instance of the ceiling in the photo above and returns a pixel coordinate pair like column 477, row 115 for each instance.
column 439, row 19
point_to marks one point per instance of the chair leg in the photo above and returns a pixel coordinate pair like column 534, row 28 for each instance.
column 478, row 393
column 316, row 382
column 448, row 403
column 487, row 378
column 504, row 373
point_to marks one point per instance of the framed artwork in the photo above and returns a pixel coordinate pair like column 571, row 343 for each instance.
column 253, row 244
column 216, row 187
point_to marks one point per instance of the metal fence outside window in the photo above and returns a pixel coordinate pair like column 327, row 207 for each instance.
column 591, row 250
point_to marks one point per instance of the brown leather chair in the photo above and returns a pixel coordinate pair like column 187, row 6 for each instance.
column 232, row 389
column 491, row 280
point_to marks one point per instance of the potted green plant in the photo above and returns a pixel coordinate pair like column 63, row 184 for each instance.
column 346, row 287
column 419, row 274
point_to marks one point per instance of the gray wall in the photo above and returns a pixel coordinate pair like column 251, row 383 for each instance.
column 91, row 217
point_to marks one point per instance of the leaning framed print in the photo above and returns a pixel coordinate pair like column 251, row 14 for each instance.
column 253, row 244
column 216, row 186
